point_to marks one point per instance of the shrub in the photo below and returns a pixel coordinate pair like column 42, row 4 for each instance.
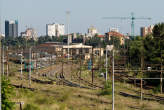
column 157, row 89
column 7, row 91
column 31, row 107
column 107, row 89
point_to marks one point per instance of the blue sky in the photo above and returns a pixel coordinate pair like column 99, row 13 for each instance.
column 84, row 13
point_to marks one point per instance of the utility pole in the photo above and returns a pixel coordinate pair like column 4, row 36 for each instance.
column 50, row 65
column 80, row 68
column 161, row 75
column 0, row 68
column 3, row 72
column 51, row 62
column 30, row 66
column 92, row 65
column 113, row 84
column 106, row 64
column 68, row 13
column 26, row 38
column 141, row 89
column 71, row 68
column 7, row 72
column 37, row 63
column 61, row 76
column 0, row 65
column 99, row 65
column 21, row 64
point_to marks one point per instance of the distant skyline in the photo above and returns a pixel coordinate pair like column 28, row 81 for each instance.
column 83, row 14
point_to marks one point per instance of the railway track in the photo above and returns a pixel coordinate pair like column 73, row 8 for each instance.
column 63, row 81
column 86, row 82
column 90, row 84
column 148, row 97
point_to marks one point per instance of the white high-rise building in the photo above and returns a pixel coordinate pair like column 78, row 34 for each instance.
column 50, row 30
column 55, row 29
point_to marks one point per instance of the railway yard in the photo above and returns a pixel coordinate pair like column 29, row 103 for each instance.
column 62, row 84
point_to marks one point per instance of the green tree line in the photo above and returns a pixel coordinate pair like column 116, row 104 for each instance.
column 147, row 52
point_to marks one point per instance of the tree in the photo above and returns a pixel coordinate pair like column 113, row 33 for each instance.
column 158, row 31
column 149, row 50
column 7, row 91
column 136, row 50
column 115, row 41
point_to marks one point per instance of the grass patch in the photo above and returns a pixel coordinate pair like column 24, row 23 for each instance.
column 55, row 97
column 107, row 89
column 31, row 107
column 62, row 107
column 26, row 93
column 44, row 100
column 64, row 97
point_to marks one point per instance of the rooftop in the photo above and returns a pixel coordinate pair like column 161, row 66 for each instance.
column 113, row 33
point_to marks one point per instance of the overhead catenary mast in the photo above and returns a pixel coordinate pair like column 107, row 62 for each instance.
column 30, row 64
column 7, row 62
column 68, row 13
column 3, row 72
column 21, row 64
column 0, row 64
column 106, row 64
column 113, row 82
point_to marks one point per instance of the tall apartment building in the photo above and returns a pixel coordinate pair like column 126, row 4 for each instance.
column 55, row 29
column 11, row 28
column 146, row 30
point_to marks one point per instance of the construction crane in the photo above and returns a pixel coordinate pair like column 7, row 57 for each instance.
column 132, row 18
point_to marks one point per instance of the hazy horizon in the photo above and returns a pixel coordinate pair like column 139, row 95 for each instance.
column 36, row 14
